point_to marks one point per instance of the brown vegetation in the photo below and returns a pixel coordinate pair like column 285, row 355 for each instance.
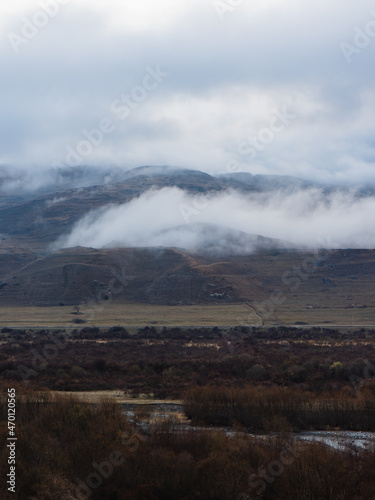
column 67, row 450
column 166, row 362
column 275, row 408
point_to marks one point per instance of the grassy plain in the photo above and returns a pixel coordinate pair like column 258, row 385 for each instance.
column 108, row 314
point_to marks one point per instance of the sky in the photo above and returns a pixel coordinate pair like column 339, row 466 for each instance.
column 267, row 86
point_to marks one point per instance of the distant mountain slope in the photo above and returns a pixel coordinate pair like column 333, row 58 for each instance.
column 23, row 182
column 44, row 219
column 205, row 239
column 37, row 222
column 13, row 258
column 344, row 279
column 270, row 182
column 288, row 183
column 217, row 240
column 82, row 274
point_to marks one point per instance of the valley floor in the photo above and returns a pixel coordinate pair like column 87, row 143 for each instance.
column 107, row 314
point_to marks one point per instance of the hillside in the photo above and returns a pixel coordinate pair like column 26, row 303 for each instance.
column 38, row 222
column 269, row 281
column 271, row 278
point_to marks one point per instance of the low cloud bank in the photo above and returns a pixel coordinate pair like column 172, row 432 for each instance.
column 172, row 217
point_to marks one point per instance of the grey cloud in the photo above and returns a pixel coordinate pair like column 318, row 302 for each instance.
column 67, row 77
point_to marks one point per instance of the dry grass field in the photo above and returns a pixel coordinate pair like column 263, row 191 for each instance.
column 108, row 314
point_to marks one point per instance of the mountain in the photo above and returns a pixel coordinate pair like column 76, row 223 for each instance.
column 341, row 279
column 38, row 222
column 13, row 257
column 34, row 181
column 222, row 265
column 271, row 182
column 150, row 275
column 288, row 184
column 217, row 240
column 34, row 221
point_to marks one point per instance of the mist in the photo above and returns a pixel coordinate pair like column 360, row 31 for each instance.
column 227, row 222
column 38, row 179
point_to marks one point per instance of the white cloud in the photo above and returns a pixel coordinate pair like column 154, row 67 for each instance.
column 142, row 15
column 171, row 217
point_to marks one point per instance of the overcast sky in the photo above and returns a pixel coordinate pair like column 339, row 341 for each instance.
column 266, row 86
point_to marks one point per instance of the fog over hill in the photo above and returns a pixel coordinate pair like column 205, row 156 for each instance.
column 162, row 217
column 181, row 205
column 32, row 181
column 190, row 209
column 183, row 236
